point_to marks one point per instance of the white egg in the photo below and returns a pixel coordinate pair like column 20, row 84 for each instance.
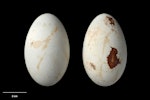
column 104, row 50
column 47, row 50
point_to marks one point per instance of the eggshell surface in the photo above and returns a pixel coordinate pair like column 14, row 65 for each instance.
column 47, row 50
column 104, row 50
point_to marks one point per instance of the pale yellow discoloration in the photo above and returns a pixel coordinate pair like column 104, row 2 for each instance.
column 106, row 41
column 44, row 24
column 92, row 33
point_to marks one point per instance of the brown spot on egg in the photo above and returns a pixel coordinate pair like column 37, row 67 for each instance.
column 112, row 58
column 93, row 66
column 111, row 21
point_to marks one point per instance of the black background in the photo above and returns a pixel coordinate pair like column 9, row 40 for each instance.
column 16, row 19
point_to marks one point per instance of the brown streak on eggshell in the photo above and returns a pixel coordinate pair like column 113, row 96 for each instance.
column 39, row 63
column 106, row 41
column 93, row 66
column 46, row 41
column 112, row 59
column 36, row 44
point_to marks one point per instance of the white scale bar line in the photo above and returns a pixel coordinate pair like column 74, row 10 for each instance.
column 14, row 92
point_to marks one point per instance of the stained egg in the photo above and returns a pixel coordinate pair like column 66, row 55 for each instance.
column 104, row 50
column 47, row 50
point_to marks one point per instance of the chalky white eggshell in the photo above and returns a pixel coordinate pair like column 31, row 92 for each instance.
column 104, row 50
column 47, row 50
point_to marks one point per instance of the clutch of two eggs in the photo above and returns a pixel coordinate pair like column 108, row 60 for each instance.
column 47, row 50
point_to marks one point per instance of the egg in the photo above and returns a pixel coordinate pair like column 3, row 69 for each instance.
column 47, row 50
column 104, row 50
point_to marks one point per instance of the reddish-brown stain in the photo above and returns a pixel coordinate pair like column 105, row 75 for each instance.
column 112, row 58
column 111, row 21
column 93, row 66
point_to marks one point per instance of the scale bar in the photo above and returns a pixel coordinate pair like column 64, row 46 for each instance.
column 14, row 92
